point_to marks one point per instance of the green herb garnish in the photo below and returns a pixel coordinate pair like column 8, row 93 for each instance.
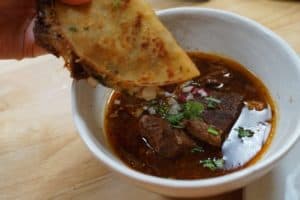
column 213, row 164
column 242, row 132
column 212, row 102
column 197, row 149
column 213, row 131
column 192, row 109
column 219, row 163
column 73, row 29
column 175, row 120
column 162, row 109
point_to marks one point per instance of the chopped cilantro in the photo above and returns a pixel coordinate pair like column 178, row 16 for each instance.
column 197, row 149
column 219, row 163
column 211, row 105
column 162, row 109
column 213, row 164
column 192, row 109
column 73, row 29
column 209, row 98
column 213, row 131
column 242, row 132
column 175, row 120
column 212, row 102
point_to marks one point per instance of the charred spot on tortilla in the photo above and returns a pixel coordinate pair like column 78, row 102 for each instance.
column 121, row 43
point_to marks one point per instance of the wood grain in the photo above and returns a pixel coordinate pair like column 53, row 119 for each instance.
column 41, row 155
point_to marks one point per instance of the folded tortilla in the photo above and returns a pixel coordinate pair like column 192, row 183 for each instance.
column 121, row 43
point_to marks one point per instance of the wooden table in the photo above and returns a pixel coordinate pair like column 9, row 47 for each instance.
column 41, row 155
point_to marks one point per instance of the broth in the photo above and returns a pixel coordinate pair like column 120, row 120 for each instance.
column 232, row 105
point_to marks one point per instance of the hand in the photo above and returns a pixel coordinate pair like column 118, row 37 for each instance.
column 16, row 25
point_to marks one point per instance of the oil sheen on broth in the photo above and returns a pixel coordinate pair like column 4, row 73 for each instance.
column 215, row 124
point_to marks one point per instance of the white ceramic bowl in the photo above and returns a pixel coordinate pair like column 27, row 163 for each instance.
column 234, row 36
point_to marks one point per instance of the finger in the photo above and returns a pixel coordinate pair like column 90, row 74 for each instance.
column 75, row 2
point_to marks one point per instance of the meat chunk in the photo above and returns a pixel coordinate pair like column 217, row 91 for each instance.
column 222, row 118
column 165, row 140
column 218, row 118
column 199, row 129
column 227, row 112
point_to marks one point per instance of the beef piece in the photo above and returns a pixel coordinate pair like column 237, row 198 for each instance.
column 199, row 129
column 218, row 118
column 222, row 117
column 165, row 140
column 227, row 112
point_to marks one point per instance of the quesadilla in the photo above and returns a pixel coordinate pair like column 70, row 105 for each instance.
column 121, row 43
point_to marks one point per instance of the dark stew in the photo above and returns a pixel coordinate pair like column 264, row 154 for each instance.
column 215, row 124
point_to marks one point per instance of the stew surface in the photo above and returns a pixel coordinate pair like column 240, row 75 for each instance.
column 215, row 124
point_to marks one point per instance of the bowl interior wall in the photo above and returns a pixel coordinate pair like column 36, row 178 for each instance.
column 210, row 33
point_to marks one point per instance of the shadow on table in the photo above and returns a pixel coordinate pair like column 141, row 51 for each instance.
column 235, row 195
column 192, row 1
column 288, row 0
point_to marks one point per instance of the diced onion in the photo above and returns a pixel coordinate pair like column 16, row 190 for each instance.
column 171, row 101
column 202, row 92
column 186, row 84
column 187, row 89
column 151, row 111
column 189, row 97
column 181, row 97
column 174, row 109
column 168, row 94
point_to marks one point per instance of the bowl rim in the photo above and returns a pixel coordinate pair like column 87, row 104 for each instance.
column 94, row 146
